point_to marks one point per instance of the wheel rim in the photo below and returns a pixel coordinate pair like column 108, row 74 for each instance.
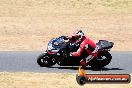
column 44, row 60
column 104, row 60
column 103, row 57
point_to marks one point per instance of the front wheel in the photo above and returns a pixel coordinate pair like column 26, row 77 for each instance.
column 44, row 61
column 102, row 60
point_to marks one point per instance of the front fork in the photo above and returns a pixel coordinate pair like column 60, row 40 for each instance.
column 51, row 56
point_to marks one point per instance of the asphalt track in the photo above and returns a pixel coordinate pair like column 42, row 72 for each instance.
column 25, row 61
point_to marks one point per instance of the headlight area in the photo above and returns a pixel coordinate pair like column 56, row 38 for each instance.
column 56, row 43
column 50, row 47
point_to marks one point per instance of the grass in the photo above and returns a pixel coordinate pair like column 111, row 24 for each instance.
column 33, row 23
column 118, row 5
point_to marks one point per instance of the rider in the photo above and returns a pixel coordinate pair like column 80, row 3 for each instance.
column 86, row 45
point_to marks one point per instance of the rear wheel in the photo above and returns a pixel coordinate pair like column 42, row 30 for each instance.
column 101, row 61
column 44, row 61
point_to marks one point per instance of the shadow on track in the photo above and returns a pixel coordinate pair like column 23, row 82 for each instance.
column 87, row 68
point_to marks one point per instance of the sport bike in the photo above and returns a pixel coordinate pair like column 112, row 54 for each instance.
column 58, row 52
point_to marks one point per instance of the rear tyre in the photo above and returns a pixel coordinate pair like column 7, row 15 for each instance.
column 101, row 61
column 44, row 61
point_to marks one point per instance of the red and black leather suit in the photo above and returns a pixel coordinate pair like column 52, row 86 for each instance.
column 87, row 45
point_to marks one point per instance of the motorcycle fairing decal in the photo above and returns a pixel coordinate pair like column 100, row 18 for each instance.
column 51, row 52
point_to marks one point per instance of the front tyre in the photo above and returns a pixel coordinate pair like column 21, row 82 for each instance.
column 101, row 61
column 44, row 61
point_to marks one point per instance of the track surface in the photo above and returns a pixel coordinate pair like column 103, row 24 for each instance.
column 25, row 61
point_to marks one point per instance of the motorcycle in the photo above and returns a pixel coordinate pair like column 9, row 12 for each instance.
column 58, row 52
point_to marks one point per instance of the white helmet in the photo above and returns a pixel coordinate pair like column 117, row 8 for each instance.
column 78, row 34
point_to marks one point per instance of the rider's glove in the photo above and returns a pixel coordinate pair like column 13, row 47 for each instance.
column 70, row 54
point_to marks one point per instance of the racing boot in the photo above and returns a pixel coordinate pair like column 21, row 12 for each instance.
column 83, row 63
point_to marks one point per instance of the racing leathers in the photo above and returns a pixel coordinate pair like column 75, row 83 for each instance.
column 88, row 46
